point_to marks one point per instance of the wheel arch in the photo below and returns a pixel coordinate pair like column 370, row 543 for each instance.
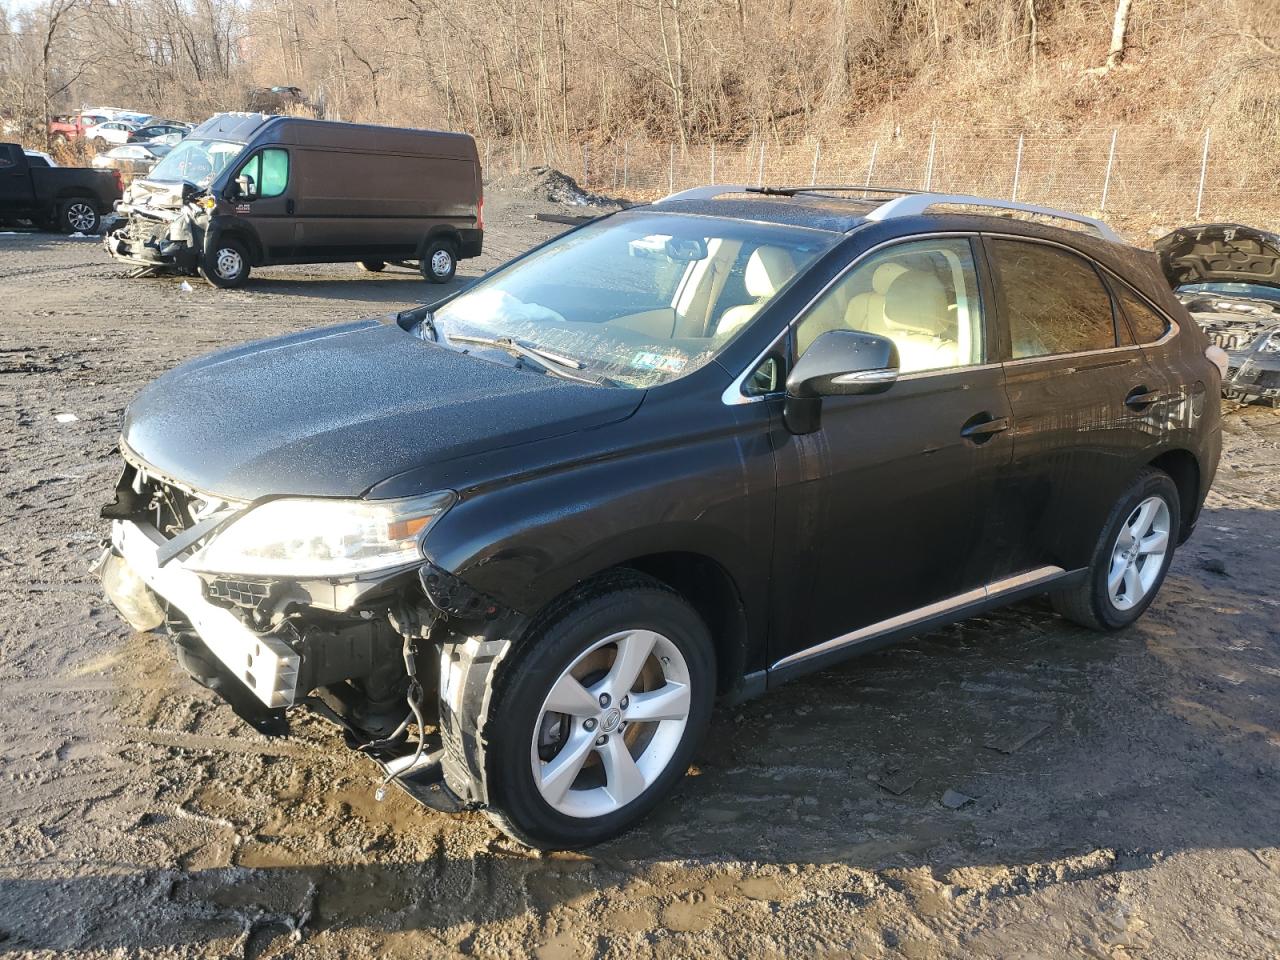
column 245, row 235
column 440, row 231
column 1183, row 468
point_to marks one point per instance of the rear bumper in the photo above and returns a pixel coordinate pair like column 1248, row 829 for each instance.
column 266, row 665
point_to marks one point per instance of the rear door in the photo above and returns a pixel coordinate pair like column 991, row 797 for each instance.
column 1086, row 403
column 883, row 511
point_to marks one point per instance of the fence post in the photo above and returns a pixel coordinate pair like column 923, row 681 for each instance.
column 713, row 162
column 928, row 170
column 586, row 169
column 871, row 166
column 1204, row 164
column 671, row 170
column 817, row 152
column 1106, row 180
column 626, row 150
column 1017, row 170
column 760, row 168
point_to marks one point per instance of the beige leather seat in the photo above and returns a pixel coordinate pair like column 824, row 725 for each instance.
column 917, row 319
column 768, row 270
column 866, row 310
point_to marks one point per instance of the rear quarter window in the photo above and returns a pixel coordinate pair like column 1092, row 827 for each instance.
column 1053, row 301
column 1147, row 325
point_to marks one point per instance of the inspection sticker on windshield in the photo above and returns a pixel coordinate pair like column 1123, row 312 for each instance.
column 656, row 361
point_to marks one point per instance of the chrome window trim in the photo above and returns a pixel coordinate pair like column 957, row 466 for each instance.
column 733, row 395
column 1045, row 574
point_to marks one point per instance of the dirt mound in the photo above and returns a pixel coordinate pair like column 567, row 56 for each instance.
column 548, row 183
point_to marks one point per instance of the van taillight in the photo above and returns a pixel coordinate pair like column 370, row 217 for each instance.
column 480, row 213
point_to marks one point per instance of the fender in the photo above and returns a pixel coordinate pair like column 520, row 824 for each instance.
column 234, row 227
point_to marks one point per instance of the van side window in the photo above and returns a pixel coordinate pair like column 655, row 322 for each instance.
column 269, row 171
column 1053, row 301
column 1148, row 326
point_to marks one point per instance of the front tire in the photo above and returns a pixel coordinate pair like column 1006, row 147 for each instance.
column 226, row 265
column 1131, row 559
column 439, row 261
column 597, row 717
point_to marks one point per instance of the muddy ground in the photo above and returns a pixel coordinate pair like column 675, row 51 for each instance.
column 139, row 818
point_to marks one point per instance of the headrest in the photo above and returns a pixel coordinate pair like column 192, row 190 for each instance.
column 917, row 301
column 884, row 275
column 768, row 270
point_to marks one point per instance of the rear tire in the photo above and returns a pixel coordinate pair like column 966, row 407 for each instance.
column 226, row 265
column 627, row 624
column 78, row 215
column 372, row 266
column 1131, row 558
column 439, row 261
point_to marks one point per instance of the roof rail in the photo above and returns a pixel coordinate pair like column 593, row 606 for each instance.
column 918, row 203
column 905, row 202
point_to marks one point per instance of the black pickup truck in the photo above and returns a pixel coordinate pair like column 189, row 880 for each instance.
column 70, row 199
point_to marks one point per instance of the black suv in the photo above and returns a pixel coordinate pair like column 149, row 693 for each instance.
column 518, row 542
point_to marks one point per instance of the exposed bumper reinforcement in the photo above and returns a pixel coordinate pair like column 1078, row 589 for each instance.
column 266, row 665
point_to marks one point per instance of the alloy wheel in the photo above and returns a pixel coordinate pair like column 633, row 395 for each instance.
column 1138, row 555
column 81, row 216
column 611, row 723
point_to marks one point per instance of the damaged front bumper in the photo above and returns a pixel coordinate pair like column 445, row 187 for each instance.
column 264, row 664
column 158, row 239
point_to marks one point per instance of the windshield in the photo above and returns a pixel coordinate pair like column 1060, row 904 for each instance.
column 1254, row 291
column 196, row 161
column 639, row 299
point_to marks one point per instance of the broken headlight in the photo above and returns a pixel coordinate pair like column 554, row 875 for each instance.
column 1271, row 343
column 298, row 538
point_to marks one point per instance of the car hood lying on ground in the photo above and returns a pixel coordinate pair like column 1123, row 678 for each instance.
column 1220, row 253
column 331, row 412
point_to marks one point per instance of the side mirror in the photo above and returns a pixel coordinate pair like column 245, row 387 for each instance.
column 840, row 363
column 245, row 186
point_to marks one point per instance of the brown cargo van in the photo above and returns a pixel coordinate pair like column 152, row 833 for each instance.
column 246, row 189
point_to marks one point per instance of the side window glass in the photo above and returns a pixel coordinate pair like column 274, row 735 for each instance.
column 275, row 172
column 1148, row 326
column 764, row 379
column 5, row 160
column 922, row 295
column 1053, row 301
column 252, row 172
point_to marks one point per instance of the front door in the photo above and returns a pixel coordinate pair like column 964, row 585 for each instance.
column 882, row 511
column 268, row 205
column 1086, row 404
column 15, row 181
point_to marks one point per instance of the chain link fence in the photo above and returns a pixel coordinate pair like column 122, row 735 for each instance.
column 1143, row 182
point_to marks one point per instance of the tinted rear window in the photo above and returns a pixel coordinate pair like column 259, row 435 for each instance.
column 1053, row 301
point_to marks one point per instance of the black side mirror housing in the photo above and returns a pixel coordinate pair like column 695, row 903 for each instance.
column 840, row 363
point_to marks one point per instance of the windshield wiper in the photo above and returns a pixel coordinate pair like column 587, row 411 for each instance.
column 543, row 360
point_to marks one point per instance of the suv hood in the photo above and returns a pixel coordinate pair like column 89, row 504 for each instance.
column 332, row 412
column 1220, row 253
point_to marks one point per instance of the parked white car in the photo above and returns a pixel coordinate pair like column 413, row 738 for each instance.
column 110, row 132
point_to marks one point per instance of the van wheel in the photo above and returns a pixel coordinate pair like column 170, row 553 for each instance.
column 372, row 266
column 227, row 264
column 1131, row 559
column 78, row 215
column 440, row 261
column 597, row 717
